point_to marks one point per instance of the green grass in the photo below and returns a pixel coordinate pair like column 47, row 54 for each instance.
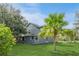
column 63, row 49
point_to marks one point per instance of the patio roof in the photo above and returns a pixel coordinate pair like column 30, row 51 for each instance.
column 22, row 35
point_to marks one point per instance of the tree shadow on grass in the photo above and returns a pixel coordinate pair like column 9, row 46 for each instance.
column 64, row 53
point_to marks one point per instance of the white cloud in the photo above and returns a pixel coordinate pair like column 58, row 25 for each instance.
column 31, row 12
column 27, row 7
column 37, row 18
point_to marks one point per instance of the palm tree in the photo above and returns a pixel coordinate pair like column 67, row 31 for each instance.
column 53, row 26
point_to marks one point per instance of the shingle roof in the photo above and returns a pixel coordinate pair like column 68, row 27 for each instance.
column 34, row 25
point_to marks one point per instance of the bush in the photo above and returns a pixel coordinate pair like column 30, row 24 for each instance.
column 7, row 40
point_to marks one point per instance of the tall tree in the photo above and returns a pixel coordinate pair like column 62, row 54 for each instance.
column 53, row 26
column 12, row 18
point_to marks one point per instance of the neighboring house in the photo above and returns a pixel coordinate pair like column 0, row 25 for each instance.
column 32, row 35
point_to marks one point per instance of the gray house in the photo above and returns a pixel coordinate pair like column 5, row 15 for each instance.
column 32, row 35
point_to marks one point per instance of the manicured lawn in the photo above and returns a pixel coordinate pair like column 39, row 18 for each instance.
column 63, row 49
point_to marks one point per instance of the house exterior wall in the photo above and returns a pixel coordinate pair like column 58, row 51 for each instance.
column 42, row 40
column 34, row 31
column 28, row 39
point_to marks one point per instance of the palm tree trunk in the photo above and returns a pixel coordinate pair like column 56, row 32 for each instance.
column 54, row 43
column 74, row 39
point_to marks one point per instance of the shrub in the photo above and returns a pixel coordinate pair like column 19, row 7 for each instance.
column 7, row 40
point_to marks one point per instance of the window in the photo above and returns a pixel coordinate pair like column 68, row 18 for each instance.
column 32, row 37
column 36, row 38
column 23, row 39
column 28, row 31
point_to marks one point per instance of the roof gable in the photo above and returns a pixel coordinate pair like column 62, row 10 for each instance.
column 33, row 25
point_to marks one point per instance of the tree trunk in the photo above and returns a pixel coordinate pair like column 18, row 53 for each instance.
column 74, row 39
column 54, row 43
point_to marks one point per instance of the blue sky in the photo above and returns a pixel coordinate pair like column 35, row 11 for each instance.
column 36, row 13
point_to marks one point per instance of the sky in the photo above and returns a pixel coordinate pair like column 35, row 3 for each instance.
column 37, row 12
